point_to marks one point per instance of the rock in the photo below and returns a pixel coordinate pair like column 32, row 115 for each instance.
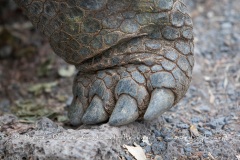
column 157, row 133
column 204, row 108
column 168, row 138
column 128, row 157
column 158, row 147
column 218, row 122
column 168, row 119
column 207, row 133
column 147, row 149
column 183, row 126
column 212, row 124
column 167, row 134
column 195, row 120
column 142, row 144
column 231, row 118
column 49, row 140
column 205, row 155
column 165, row 131
column 188, row 149
column 7, row 119
column 47, row 125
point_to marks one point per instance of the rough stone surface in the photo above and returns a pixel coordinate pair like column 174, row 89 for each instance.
column 51, row 141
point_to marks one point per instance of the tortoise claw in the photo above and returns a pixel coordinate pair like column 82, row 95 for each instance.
column 75, row 112
column 161, row 100
column 125, row 111
column 95, row 113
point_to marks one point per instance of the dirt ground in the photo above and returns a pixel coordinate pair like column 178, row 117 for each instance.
column 34, row 82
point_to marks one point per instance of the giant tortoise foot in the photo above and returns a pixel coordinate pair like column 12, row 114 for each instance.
column 124, row 94
column 135, row 57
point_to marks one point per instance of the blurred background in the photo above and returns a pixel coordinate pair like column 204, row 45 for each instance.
column 30, row 73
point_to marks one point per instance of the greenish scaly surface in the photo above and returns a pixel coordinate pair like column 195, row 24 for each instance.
column 129, row 47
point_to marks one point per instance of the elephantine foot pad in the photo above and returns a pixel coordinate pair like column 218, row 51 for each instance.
column 135, row 57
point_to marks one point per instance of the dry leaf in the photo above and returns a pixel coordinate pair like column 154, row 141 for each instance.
column 29, row 111
column 212, row 97
column 67, row 71
column 225, row 82
column 206, row 78
column 37, row 89
column 238, row 157
column 137, row 152
column 210, row 156
column 193, row 130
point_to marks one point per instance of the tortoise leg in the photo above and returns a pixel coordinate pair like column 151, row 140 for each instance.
column 135, row 57
column 124, row 94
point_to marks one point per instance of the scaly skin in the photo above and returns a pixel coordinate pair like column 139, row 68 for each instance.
column 135, row 57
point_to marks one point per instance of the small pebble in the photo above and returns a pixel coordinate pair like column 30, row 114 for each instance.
column 201, row 129
column 147, row 149
column 168, row 119
column 142, row 144
column 226, row 25
column 207, row 133
column 167, row 135
column 157, row 133
column 158, row 147
column 1, row 136
column 204, row 108
column 168, row 138
column 183, row 126
column 195, row 120
column 128, row 157
column 188, row 149
column 165, row 131
column 205, row 155
column 212, row 125
column 217, row 123
column 122, row 154
column 229, row 119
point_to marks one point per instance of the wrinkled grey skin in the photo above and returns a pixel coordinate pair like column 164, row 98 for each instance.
column 135, row 57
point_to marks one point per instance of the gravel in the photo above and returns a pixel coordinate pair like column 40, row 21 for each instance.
column 158, row 147
column 147, row 149
column 183, row 126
